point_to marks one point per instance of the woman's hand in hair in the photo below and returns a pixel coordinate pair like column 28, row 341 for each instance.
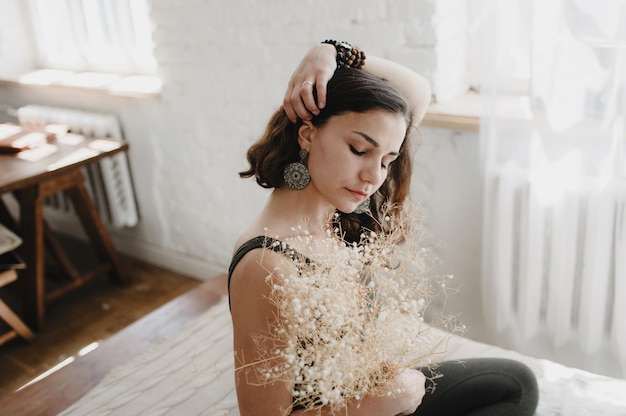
column 313, row 73
column 318, row 66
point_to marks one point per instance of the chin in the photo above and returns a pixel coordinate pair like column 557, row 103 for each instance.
column 349, row 209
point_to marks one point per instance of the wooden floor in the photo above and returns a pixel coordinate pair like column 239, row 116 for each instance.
column 85, row 317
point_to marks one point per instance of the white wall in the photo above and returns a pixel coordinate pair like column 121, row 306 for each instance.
column 224, row 66
column 448, row 182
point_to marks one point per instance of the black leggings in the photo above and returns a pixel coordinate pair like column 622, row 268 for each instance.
column 481, row 387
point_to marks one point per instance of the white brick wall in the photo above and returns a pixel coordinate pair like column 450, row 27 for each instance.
column 225, row 64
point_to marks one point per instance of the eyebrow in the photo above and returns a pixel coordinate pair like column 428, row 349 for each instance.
column 372, row 141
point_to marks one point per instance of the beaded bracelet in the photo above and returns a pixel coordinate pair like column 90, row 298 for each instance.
column 348, row 56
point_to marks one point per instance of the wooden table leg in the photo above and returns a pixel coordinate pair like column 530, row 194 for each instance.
column 96, row 230
column 33, row 229
column 32, row 252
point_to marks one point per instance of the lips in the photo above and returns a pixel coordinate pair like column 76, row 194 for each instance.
column 359, row 195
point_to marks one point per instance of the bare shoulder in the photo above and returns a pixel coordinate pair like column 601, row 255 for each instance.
column 253, row 314
column 251, row 271
column 249, row 288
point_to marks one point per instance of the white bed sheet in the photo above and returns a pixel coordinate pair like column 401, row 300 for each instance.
column 191, row 374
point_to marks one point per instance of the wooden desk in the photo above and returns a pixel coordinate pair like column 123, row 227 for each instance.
column 32, row 175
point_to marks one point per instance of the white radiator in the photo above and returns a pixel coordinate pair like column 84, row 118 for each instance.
column 555, row 259
column 109, row 181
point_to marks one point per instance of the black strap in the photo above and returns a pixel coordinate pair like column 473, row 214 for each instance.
column 262, row 242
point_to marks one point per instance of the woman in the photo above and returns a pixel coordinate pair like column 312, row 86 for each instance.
column 340, row 144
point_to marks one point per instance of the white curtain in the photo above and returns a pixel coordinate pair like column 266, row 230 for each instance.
column 553, row 151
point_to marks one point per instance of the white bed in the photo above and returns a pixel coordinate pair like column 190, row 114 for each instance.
column 191, row 373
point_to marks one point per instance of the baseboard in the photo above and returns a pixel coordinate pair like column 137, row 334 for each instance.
column 168, row 259
column 150, row 253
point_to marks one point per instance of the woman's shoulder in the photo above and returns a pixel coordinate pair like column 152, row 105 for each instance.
column 248, row 274
column 246, row 245
column 249, row 243
column 256, row 257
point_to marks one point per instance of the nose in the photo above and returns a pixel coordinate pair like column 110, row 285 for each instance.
column 372, row 172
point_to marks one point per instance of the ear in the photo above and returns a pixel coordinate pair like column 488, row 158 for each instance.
column 306, row 133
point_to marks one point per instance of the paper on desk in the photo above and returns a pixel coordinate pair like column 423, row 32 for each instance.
column 74, row 157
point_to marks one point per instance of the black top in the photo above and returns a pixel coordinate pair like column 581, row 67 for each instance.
column 262, row 242
column 268, row 243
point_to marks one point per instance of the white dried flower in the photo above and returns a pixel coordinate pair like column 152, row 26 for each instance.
column 348, row 323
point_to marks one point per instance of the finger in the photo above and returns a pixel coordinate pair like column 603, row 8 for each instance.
column 306, row 93
column 303, row 101
column 322, row 79
column 288, row 108
column 297, row 106
column 321, row 93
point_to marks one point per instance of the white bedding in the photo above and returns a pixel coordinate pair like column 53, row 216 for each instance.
column 191, row 373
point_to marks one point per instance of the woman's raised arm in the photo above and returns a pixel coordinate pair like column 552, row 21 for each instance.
column 317, row 67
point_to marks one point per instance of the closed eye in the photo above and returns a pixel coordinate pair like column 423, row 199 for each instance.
column 356, row 152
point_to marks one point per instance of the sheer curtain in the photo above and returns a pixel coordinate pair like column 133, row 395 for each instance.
column 553, row 150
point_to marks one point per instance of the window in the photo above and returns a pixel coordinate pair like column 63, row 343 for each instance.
column 507, row 30
column 93, row 35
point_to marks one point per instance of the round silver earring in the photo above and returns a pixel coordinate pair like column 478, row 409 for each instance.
column 363, row 207
column 296, row 174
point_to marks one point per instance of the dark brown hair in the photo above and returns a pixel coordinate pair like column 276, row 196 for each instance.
column 350, row 90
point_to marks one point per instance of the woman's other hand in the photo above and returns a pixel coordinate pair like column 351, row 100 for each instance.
column 410, row 388
column 314, row 71
column 403, row 398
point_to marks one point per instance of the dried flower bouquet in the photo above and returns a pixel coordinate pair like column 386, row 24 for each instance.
column 352, row 316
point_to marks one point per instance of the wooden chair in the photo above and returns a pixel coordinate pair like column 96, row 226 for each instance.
column 18, row 328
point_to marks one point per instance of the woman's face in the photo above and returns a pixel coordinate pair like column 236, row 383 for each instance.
column 350, row 155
